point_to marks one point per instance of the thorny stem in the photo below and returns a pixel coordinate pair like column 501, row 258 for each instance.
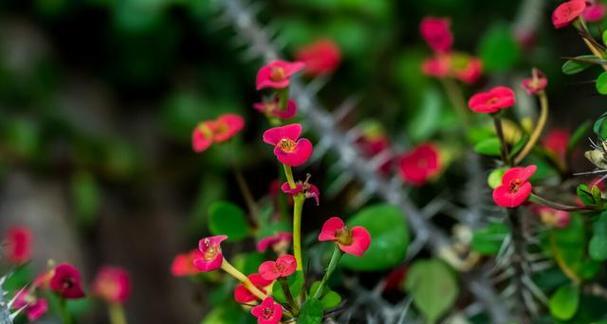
column 248, row 197
column 229, row 268
column 284, row 285
column 555, row 205
column 497, row 122
column 116, row 313
column 537, row 131
column 330, row 268
column 518, row 259
column 454, row 93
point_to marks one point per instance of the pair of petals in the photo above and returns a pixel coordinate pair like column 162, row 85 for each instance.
column 421, row 164
column 18, row 246
column 268, row 312
column 334, row 229
column 321, row 57
column 34, row 307
column 536, row 84
column 283, row 267
column 277, row 74
column 278, row 238
column 567, row 12
column 66, row 281
column 183, row 264
column 515, row 187
column 461, row 66
column 272, row 109
column 437, row 33
column 288, row 147
column 210, row 257
column 216, row 131
column 492, row 101
column 113, row 284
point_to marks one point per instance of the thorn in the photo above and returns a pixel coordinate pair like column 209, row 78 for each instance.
column 342, row 111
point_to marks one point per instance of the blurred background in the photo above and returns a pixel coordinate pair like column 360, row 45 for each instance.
column 98, row 99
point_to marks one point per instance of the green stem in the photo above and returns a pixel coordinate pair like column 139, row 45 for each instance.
column 229, row 268
column 247, row 195
column 285, row 289
column 497, row 122
column 66, row 317
column 116, row 312
column 330, row 268
column 289, row 175
column 537, row 131
column 283, row 98
column 555, row 205
column 298, row 202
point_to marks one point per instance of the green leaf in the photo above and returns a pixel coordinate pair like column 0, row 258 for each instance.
column 577, row 64
column 569, row 242
column 389, row 238
column 296, row 284
column 604, row 37
column 311, row 312
column 597, row 249
column 578, row 135
column 228, row 312
column 490, row 146
column 585, row 195
column 228, row 219
column 488, row 241
column 601, row 83
column 330, row 299
column 433, row 288
column 499, row 50
column 426, row 120
column 599, row 127
column 495, row 177
column 564, row 302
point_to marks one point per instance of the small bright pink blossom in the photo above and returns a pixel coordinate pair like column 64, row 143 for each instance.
column 515, row 188
column 320, row 57
column 555, row 142
column 218, row 130
column 279, row 240
column 309, row 190
column 66, row 281
column 34, row 307
column 288, row 147
column 470, row 71
column 277, row 74
column 211, row 256
column 553, row 217
column 355, row 240
column 113, row 284
column 438, row 66
column 420, row 164
column 567, row 12
column 536, row 84
column 268, row 312
column 183, row 264
column 492, row 101
column 437, row 33
column 272, row 109
column 18, row 246
column 243, row 296
column 595, row 12
column 283, row 267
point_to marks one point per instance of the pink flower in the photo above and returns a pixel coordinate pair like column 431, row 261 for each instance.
column 469, row 70
column 320, row 57
column 268, row 312
column 283, row 267
column 420, row 164
column 18, row 246
column 309, row 190
column 553, row 217
column 211, row 258
column 34, row 307
column 355, row 240
column 492, row 101
column 113, row 284
column 288, row 147
column 276, row 74
column 555, row 143
column 515, row 187
column 461, row 66
column 66, row 281
column 594, row 12
column 279, row 240
column 272, row 109
column 437, row 33
column 438, row 66
column 243, row 296
column 536, row 84
column 183, row 264
column 216, row 131
column 567, row 12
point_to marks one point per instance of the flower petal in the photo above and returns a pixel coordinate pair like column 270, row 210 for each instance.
column 300, row 155
column 329, row 229
column 273, row 135
column 361, row 239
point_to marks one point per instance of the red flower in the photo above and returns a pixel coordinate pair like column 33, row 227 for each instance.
column 272, row 109
column 183, row 264
column 211, row 256
column 276, row 74
column 34, row 307
column 309, row 190
column 216, row 131
column 567, row 12
column 283, row 267
column 553, row 217
column 437, row 66
column 469, row 70
column 492, row 101
column 355, row 240
column 288, row 147
column 515, row 187
column 18, row 246
column 556, row 142
column 268, row 312
column 537, row 83
column 420, row 164
column 437, row 33
column 113, row 284
column 594, row 12
column 320, row 57
column 279, row 240
column 66, row 282
column 242, row 295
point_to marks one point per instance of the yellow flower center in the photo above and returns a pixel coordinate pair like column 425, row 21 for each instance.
column 344, row 236
column 287, row 145
column 277, row 74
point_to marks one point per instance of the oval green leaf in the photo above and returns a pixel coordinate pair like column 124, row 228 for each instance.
column 564, row 302
column 228, row 219
column 490, row 146
column 601, row 83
